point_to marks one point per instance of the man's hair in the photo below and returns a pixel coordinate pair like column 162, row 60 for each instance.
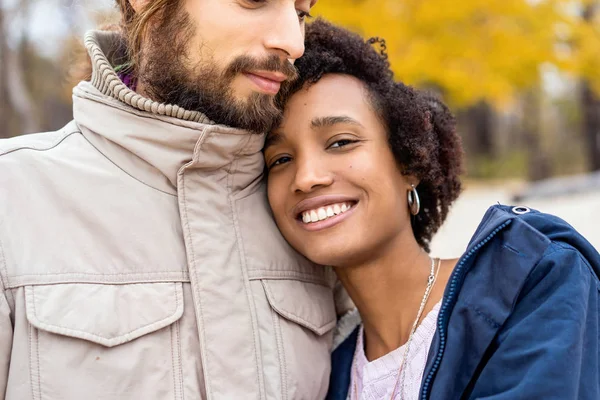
column 135, row 25
column 421, row 130
column 132, row 26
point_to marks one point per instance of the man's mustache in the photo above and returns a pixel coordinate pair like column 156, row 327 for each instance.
column 272, row 63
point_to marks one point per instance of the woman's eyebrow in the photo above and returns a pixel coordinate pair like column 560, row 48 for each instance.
column 323, row 122
column 319, row 122
column 272, row 139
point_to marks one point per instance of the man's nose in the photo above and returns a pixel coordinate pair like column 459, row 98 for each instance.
column 286, row 33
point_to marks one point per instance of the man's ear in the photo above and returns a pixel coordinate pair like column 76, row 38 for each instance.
column 138, row 5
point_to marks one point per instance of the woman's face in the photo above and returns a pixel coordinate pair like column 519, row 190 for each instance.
column 336, row 191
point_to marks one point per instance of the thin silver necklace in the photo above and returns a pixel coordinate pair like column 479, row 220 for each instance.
column 402, row 375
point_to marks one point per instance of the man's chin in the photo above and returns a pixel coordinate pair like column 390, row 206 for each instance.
column 249, row 95
column 257, row 113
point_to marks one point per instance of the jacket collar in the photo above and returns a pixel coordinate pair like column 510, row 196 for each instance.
column 152, row 141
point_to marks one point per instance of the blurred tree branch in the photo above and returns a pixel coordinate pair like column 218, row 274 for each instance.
column 15, row 87
column 19, row 92
column 4, row 105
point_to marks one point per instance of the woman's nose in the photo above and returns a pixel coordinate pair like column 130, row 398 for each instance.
column 311, row 174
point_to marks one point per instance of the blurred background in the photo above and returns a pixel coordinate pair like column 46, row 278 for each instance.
column 522, row 77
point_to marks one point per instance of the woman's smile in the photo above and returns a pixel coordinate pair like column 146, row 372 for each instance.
column 326, row 216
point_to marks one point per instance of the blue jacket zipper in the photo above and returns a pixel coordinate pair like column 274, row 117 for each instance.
column 450, row 299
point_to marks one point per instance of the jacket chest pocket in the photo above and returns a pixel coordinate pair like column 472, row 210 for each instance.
column 105, row 341
column 299, row 330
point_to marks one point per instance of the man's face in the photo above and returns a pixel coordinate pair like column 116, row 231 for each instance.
column 226, row 58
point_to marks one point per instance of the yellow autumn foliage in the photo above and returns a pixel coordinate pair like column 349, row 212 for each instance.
column 474, row 49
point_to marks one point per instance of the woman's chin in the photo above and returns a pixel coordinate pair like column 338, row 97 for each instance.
column 331, row 249
column 327, row 257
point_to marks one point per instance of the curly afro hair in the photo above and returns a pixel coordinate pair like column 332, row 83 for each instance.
column 421, row 129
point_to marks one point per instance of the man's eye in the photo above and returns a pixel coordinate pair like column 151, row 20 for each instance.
column 280, row 161
column 341, row 143
column 254, row 3
column 303, row 15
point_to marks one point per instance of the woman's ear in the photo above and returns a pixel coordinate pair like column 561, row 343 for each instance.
column 412, row 181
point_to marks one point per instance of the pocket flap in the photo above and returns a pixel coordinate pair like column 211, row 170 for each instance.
column 308, row 304
column 109, row 315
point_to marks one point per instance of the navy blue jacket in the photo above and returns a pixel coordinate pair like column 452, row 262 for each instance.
column 519, row 317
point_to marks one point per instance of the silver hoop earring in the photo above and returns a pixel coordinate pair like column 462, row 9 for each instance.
column 414, row 203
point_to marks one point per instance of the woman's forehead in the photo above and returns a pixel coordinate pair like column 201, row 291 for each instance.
column 330, row 91
column 333, row 99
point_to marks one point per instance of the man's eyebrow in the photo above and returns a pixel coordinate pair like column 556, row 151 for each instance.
column 323, row 122
column 272, row 139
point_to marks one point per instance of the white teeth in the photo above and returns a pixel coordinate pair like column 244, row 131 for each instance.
column 306, row 217
column 313, row 216
column 323, row 213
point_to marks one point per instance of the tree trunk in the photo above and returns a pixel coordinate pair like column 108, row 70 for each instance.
column 590, row 105
column 477, row 128
column 4, row 104
column 538, row 162
column 19, row 96
column 482, row 118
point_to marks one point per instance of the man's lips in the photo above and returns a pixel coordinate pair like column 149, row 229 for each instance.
column 267, row 82
column 270, row 75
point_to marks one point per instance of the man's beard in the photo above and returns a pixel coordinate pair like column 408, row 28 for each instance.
column 205, row 88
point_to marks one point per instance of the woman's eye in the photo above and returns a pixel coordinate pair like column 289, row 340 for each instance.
column 280, row 161
column 341, row 143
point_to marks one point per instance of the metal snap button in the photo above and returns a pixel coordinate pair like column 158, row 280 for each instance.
column 520, row 210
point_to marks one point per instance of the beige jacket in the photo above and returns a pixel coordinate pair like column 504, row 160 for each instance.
column 139, row 260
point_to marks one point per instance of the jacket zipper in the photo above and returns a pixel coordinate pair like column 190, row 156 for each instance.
column 451, row 299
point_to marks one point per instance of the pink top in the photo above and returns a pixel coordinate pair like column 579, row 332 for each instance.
column 375, row 380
